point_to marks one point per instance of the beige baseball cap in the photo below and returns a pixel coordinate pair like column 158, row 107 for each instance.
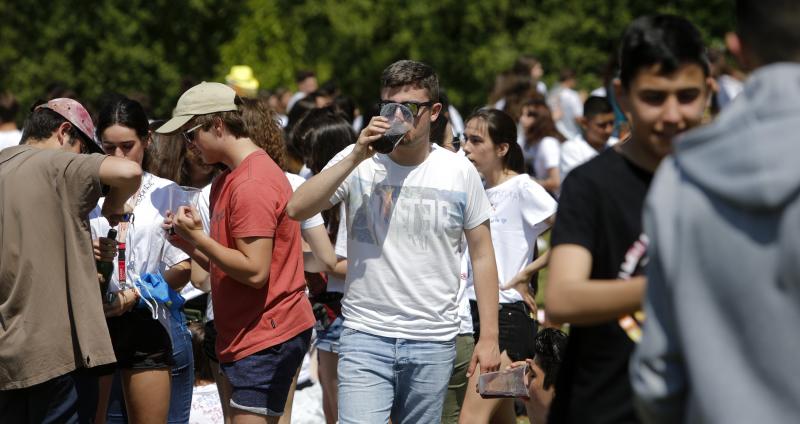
column 203, row 98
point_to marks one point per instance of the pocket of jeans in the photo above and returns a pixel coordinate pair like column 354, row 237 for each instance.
column 346, row 331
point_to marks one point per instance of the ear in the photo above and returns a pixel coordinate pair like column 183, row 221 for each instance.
column 62, row 133
column 436, row 109
column 501, row 149
column 621, row 95
column 582, row 121
column 218, row 127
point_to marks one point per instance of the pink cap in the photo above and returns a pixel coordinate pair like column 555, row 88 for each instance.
column 77, row 115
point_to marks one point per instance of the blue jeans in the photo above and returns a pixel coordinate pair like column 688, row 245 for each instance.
column 181, row 384
column 54, row 401
column 383, row 376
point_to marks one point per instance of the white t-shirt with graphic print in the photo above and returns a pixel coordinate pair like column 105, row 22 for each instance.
column 404, row 245
column 147, row 249
column 519, row 208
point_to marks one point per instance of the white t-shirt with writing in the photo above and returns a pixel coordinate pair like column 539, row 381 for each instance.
column 404, row 245
column 147, row 249
column 520, row 207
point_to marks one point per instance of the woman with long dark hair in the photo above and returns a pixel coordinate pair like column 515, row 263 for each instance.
column 325, row 132
column 142, row 344
column 521, row 211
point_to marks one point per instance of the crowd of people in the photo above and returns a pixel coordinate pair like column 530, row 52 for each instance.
column 255, row 257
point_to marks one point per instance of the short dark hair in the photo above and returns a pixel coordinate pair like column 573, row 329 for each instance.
column 409, row 72
column 301, row 76
column 43, row 122
column 502, row 129
column 549, row 346
column 596, row 105
column 770, row 29
column 566, row 74
column 8, row 107
column 666, row 40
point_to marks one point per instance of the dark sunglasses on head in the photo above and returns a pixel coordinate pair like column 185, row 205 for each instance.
column 414, row 107
column 190, row 134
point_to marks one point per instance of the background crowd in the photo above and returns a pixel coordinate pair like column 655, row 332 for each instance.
column 313, row 279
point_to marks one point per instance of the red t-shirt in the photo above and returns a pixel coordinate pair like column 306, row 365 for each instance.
column 250, row 201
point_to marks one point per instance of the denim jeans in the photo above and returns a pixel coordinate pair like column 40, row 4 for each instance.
column 54, row 401
column 383, row 376
column 181, row 384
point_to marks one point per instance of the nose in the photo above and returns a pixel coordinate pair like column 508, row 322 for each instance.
column 118, row 152
column 671, row 114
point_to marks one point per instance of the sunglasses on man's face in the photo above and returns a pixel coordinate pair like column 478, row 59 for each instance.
column 414, row 107
column 190, row 134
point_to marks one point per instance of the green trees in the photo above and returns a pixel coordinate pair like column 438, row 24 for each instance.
column 153, row 49
column 139, row 48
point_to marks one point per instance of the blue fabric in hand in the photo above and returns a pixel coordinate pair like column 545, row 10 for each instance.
column 154, row 290
column 152, row 287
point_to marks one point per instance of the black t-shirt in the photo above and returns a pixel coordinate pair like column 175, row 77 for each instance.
column 600, row 208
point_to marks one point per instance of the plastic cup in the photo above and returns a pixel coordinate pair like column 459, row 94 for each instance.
column 401, row 120
column 182, row 196
column 503, row 384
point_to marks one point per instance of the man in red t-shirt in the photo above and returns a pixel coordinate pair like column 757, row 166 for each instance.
column 253, row 254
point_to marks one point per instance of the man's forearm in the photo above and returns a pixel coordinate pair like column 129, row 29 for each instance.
column 313, row 196
column 596, row 301
column 486, row 292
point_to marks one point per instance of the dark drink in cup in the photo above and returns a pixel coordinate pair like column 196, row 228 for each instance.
column 387, row 143
column 400, row 122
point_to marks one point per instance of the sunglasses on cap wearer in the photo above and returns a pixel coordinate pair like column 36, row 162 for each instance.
column 190, row 134
column 414, row 107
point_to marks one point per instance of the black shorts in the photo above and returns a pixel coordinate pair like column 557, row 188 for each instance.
column 139, row 341
column 517, row 330
column 210, row 341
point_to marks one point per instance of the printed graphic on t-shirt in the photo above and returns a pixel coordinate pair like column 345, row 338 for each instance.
column 635, row 261
column 413, row 213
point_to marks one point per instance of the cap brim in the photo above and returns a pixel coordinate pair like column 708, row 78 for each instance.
column 174, row 124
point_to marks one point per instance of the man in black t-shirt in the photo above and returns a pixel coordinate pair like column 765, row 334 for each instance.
column 593, row 282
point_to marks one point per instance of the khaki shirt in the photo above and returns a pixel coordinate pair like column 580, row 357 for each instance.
column 51, row 314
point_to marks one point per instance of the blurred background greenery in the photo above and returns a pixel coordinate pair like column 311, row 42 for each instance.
column 153, row 50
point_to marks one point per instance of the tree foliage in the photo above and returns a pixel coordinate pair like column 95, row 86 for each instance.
column 155, row 49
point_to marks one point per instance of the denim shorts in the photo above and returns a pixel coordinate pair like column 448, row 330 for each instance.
column 516, row 329
column 262, row 380
column 328, row 339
